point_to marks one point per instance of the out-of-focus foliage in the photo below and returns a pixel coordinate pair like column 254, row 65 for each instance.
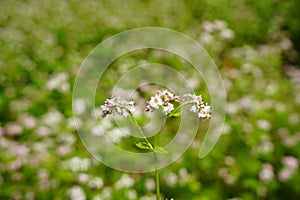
column 254, row 44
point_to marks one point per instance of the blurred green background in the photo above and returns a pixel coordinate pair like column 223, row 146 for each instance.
column 256, row 46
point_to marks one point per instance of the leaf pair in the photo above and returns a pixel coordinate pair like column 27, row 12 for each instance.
column 146, row 146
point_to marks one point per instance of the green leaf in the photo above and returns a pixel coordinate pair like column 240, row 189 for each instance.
column 143, row 145
column 159, row 149
column 177, row 114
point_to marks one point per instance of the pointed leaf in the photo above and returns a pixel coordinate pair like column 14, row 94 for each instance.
column 143, row 145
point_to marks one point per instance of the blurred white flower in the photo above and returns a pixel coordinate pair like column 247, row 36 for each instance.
column 183, row 176
column 43, row 131
column 52, row 118
column 63, row 150
column 79, row 106
column 59, row 82
column 78, row 164
column 96, row 182
column 266, row 146
column 227, row 34
column 294, row 119
column 97, row 130
column 266, row 174
column 290, row 162
column 43, row 177
column 226, row 129
column 106, row 123
column 131, row 194
column 285, row 174
column 208, row 26
column 150, row 184
column 21, row 150
column 219, row 24
column 206, row 38
column 28, row 121
column 227, row 177
column 124, row 182
column 76, row 193
column 83, row 177
column 171, row 179
column 229, row 160
column 66, row 138
column 264, row 124
column 13, row 129
column 116, row 134
column 291, row 165
column 106, row 193
column 286, row 43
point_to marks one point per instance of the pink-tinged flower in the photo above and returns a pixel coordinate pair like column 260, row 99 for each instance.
column 266, row 174
column 290, row 162
column 117, row 105
column 285, row 174
column 198, row 106
column 155, row 102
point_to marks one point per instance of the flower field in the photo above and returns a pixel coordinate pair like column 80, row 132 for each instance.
column 255, row 46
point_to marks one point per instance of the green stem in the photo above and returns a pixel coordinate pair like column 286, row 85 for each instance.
column 141, row 131
column 157, row 179
column 155, row 156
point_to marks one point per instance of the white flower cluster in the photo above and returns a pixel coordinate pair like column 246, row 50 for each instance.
column 117, row 105
column 77, row 164
column 76, row 193
column 215, row 29
column 162, row 99
column 58, row 82
column 198, row 106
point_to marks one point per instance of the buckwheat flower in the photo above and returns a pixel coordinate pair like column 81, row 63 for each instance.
column 154, row 103
column 168, row 108
column 162, row 99
column 117, row 105
column 202, row 110
column 205, row 112
column 192, row 98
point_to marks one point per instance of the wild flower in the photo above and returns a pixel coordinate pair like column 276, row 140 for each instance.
column 78, row 164
column 124, row 182
column 203, row 110
column 96, row 182
column 117, row 105
column 59, row 82
column 76, row 193
column 162, row 99
column 266, row 174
